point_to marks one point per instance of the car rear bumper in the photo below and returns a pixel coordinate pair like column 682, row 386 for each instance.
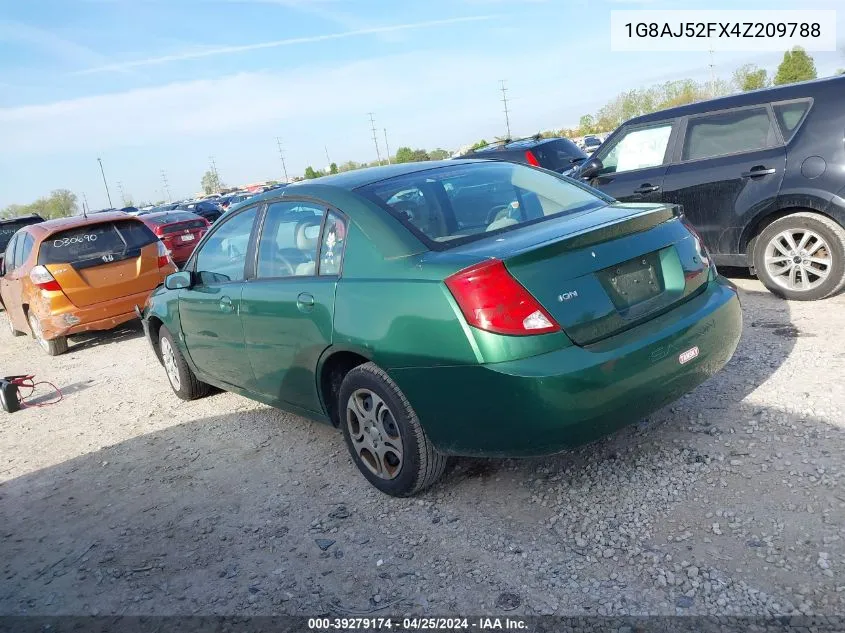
column 554, row 401
column 70, row 319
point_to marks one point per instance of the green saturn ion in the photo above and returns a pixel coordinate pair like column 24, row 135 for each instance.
column 461, row 307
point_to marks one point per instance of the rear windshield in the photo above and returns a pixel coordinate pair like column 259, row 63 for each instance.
column 8, row 229
column 172, row 217
column 557, row 155
column 96, row 243
column 454, row 205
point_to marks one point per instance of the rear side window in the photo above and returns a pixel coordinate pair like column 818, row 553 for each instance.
column 96, row 244
column 789, row 116
column 731, row 132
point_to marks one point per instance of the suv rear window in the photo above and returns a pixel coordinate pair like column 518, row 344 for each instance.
column 454, row 205
column 95, row 244
column 557, row 155
column 10, row 227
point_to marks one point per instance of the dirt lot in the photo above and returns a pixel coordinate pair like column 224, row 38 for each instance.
column 122, row 499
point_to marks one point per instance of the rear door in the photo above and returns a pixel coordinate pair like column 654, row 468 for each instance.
column 102, row 261
column 728, row 170
column 9, row 283
column 634, row 162
column 209, row 311
column 288, row 308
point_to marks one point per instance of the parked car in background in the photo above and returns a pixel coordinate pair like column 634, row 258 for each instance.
column 180, row 231
column 591, row 144
column 556, row 154
column 510, row 311
column 203, row 208
column 77, row 274
column 760, row 174
column 10, row 226
column 130, row 210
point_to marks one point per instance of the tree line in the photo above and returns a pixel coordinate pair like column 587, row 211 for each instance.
column 402, row 155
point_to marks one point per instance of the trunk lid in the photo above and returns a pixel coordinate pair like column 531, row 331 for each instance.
column 104, row 261
column 602, row 271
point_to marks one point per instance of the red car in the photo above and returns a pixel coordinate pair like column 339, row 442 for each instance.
column 179, row 230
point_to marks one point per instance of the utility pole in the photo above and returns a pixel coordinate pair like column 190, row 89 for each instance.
column 328, row 160
column 216, row 175
column 108, row 195
column 375, row 140
column 386, row 146
column 166, row 186
column 282, row 156
column 505, row 102
column 712, row 75
column 122, row 194
column 84, row 205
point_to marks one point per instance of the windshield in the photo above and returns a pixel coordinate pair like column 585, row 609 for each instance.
column 455, row 205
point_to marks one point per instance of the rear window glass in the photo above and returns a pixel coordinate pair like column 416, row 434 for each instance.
column 454, row 205
column 557, row 155
column 8, row 229
column 170, row 218
column 789, row 116
column 198, row 223
column 96, row 243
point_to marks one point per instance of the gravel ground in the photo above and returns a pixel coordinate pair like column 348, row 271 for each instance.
column 124, row 500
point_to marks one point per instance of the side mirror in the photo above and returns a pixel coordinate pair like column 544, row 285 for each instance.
column 179, row 280
column 590, row 168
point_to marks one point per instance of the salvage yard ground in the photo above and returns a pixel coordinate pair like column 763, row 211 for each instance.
column 122, row 499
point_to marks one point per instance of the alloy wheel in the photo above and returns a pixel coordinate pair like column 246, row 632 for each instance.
column 168, row 357
column 374, row 433
column 798, row 259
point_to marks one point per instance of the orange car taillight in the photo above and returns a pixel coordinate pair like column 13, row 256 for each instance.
column 163, row 255
column 42, row 278
column 492, row 300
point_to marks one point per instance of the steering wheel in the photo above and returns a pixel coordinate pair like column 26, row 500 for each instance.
column 496, row 213
column 285, row 263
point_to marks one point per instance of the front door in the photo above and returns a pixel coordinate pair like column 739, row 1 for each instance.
column 288, row 308
column 729, row 169
column 209, row 311
column 10, row 286
column 634, row 163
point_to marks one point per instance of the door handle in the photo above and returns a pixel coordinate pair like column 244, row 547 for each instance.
column 758, row 171
column 646, row 187
column 226, row 305
column 305, row 301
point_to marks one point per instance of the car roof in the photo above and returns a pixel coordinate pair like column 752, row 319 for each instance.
column 752, row 97
column 22, row 218
column 75, row 221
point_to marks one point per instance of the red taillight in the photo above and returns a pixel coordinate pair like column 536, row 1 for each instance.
column 42, row 278
column 163, row 255
column 532, row 160
column 492, row 300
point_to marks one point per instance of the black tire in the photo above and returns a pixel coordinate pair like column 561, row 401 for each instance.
column 421, row 465
column 54, row 346
column 188, row 387
column 11, row 327
column 831, row 232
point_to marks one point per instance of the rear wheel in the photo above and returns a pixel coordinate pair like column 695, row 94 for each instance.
column 53, row 347
column 384, row 435
column 182, row 379
column 801, row 256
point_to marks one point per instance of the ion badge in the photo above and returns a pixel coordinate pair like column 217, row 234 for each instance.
column 688, row 355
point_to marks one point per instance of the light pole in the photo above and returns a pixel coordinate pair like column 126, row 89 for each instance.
column 108, row 195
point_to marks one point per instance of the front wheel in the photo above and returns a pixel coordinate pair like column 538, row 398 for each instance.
column 801, row 256
column 384, row 435
column 182, row 379
column 54, row 346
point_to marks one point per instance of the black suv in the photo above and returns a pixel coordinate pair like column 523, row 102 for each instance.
column 556, row 154
column 207, row 209
column 760, row 174
column 11, row 226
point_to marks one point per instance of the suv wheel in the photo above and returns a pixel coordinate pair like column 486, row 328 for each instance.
column 384, row 435
column 53, row 347
column 801, row 256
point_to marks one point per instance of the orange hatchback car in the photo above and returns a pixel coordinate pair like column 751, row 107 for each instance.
column 77, row 274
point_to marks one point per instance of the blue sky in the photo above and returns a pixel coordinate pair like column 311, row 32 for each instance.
column 151, row 85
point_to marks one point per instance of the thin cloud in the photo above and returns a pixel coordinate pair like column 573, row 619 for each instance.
column 227, row 50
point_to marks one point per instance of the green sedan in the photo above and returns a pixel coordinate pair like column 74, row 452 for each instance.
column 447, row 308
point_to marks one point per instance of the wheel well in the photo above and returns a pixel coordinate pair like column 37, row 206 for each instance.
column 154, row 324
column 753, row 230
column 334, row 371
